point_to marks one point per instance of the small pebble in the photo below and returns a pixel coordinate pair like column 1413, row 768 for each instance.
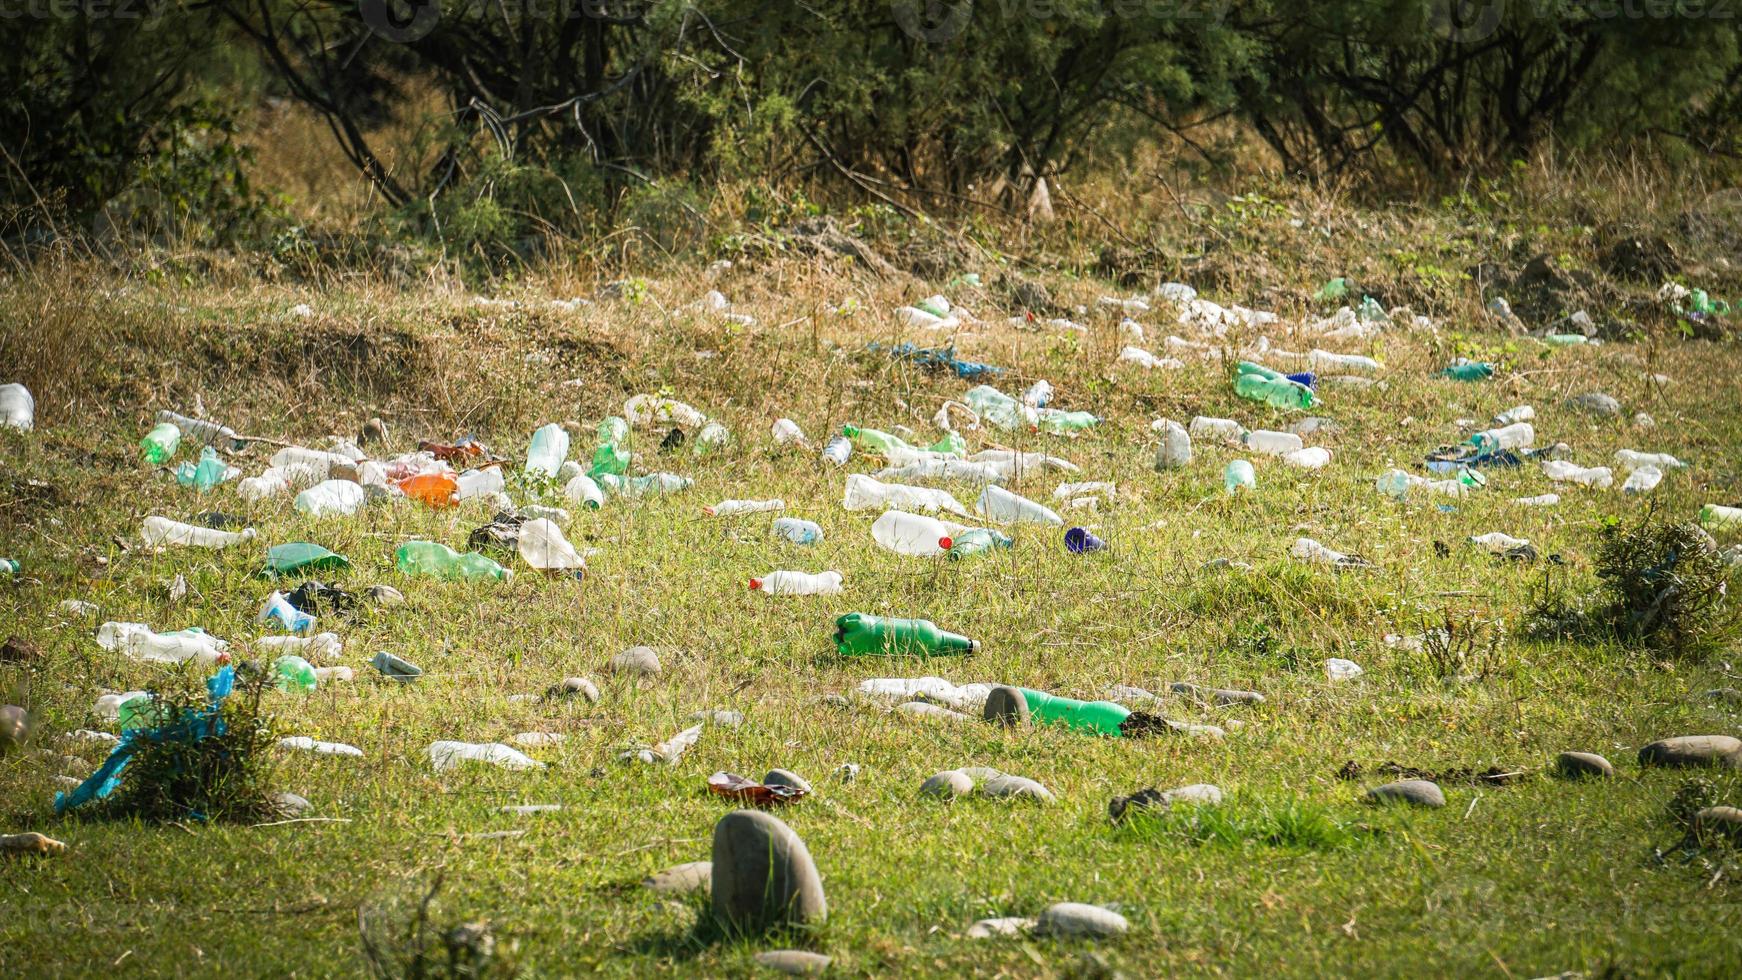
column 292, row 804
column 1579, row 765
column 1420, row 792
column 794, row 962
column 1009, row 926
column 1006, row 706
column 637, row 661
column 1075, row 919
column 1016, row 788
column 571, row 686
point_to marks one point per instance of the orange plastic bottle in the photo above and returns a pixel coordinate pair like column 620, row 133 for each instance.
column 430, row 489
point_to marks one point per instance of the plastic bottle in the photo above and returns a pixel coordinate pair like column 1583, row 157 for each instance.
column 322, row 464
column 8, row 567
column 838, row 450
column 798, row 583
column 862, row 634
column 1566, row 471
column 1175, row 451
column 1397, row 484
column 1278, row 392
column 17, row 407
column 873, row 440
column 1495, row 542
column 1462, row 370
column 1238, row 475
column 1271, row 442
column 1144, row 359
column 944, row 469
column 1060, row 422
column 1631, row 460
column 583, row 490
column 331, row 497
column 161, row 442
column 1038, row 394
column 1324, row 361
column 1216, row 430
column 446, row 755
column 278, row 609
column 1642, row 480
column 786, row 431
column 137, row 640
column 1310, row 458
column 1717, row 515
column 477, row 483
column 440, row 561
column 550, row 446
column 1522, row 413
column 1540, row 500
column 204, row 433
column 647, row 409
column 1095, row 717
column 431, row 489
column 1518, row 435
column 729, row 508
column 294, row 675
column 653, row 485
column 952, row 444
column 160, row 531
column 797, row 531
column 329, row 675
column 999, row 504
column 612, row 455
column 555, row 515
column 864, row 493
column 996, row 408
column 204, row 475
column 714, row 435
column 320, row 646
column 976, row 541
column 913, row 534
column 541, row 544
column 1306, row 549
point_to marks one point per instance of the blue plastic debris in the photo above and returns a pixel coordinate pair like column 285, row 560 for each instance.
column 938, row 358
column 193, row 727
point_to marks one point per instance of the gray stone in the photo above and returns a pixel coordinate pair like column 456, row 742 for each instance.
column 14, row 728
column 1075, row 919
column 1579, row 765
column 948, row 784
column 795, row 962
column 636, row 661
column 1693, row 750
column 374, row 432
column 721, row 717
column 1420, row 792
column 386, row 595
column 292, row 805
column 568, row 687
column 1009, row 926
column 1596, row 403
column 1721, row 821
column 763, row 876
column 786, row 777
column 1016, row 788
column 683, row 879
column 1007, row 707
column 1199, row 793
column 1220, row 695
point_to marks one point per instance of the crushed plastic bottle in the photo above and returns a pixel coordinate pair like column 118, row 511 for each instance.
column 331, row 497
column 1149, row 362
column 651, row 485
column 204, row 475
column 1310, row 458
column 1642, row 480
column 1038, row 394
column 1465, row 370
column 1272, row 443
column 294, row 675
column 1718, row 515
column 1338, row 669
column 797, row 531
column 279, row 610
column 1497, row 543
column 1238, row 475
column 445, row 755
column 786, row 431
column 999, row 504
column 648, row 409
column 541, row 544
column 1521, row 413
column 996, row 408
column 478, row 483
column 731, row 508
column 1323, row 361
column 204, row 433
column 549, row 448
column 320, row 646
column 1566, row 471
column 159, row 532
column 138, row 641
column 914, row 534
column 977, row 541
column 838, row 450
column 862, row 634
column 875, row 440
column 161, row 442
column 1225, row 431
column 440, row 561
column 864, row 493
column 1260, row 384
column 798, row 583
column 1175, row 451
column 714, row 435
column 17, row 407
column 431, row 489
column 1398, row 484
column 1631, row 460
column 1540, row 500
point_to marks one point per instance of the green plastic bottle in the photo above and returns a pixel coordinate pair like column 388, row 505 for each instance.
column 862, row 634
column 952, row 443
column 976, row 542
column 440, row 561
column 294, row 675
column 1277, row 392
column 206, row 474
column 612, row 456
column 873, row 440
column 1335, row 289
column 1468, row 371
column 8, row 567
column 1060, row 422
column 140, row 711
column 1095, row 717
column 161, row 442
column 1248, row 367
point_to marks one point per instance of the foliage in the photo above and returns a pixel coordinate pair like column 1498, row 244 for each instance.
column 1290, row 824
column 403, row 938
column 1665, row 587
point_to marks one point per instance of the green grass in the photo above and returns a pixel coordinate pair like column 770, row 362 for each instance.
column 1294, row 875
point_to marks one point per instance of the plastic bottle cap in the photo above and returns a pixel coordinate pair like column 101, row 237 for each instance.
column 945, row 543
column 755, row 584
column 708, row 511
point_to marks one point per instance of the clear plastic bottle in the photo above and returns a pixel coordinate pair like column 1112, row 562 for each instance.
column 786, row 431
column 1518, row 435
column 729, row 508
column 1644, row 479
column 137, row 640
column 331, row 497
column 17, row 407
column 714, row 435
column 446, row 755
column 874, row 440
column 477, row 483
column 1060, row 422
column 1238, row 475
column 1521, row 413
column 1272, row 442
column 440, row 561
column 161, row 442
column 549, row 448
column 914, row 534
column 999, row 504
column 1540, row 500
column 161, row 531
column 1496, row 542
column 1566, row 471
column 204, row 433
column 798, row 583
column 204, row 475
column 1310, row 458
column 839, row 450
column 278, row 609
column 977, row 541
column 294, row 675
column 1718, row 515
column 585, row 491
column 320, row 646
column 655, row 484
column 1278, row 392
column 1631, row 460
column 542, row 545
column 1323, row 361
column 864, row 493
column 1306, row 549
column 996, row 408
column 1175, row 451
column 1217, row 430
column 797, row 531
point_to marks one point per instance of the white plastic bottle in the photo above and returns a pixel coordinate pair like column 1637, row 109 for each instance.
column 999, row 504
column 548, row 451
column 864, row 493
column 1068, row 491
column 838, row 451
column 1518, row 435
column 321, row 646
column 137, row 640
column 1496, row 542
column 1038, row 394
column 1323, row 361
column 1642, row 480
column 648, row 409
column 798, row 583
column 331, row 497
column 944, row 469
column 17, row 407
column 1310, row 458
column 161, row 531
column 1148, row 361
column 477, row 483
column 1306, row 549
column 1175, row 451
column 1566, row 471
column 914, row 534
column 1216, row 430
column 786, row 431
column 1271, row 442
column 729, row 508
column 1521, row 413
column 447, row 755
column 582, row 490
column 318, row 461
column 1631, row 460
column 797, row 531
column 541, row 544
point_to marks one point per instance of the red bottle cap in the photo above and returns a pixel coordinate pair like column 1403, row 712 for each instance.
column 755, row 584
column 945, row 543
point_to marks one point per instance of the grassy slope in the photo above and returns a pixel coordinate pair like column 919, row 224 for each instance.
column 1529, row 880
